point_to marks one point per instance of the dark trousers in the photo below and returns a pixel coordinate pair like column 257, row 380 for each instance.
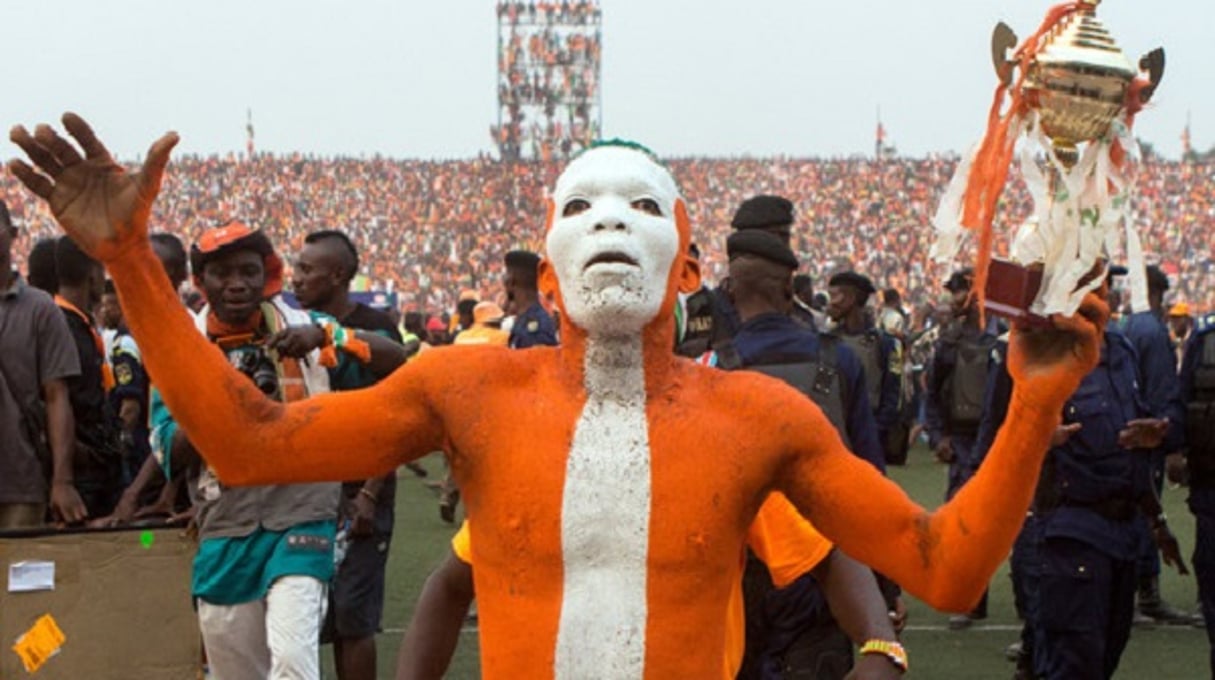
column 1086, row 601
column 1024, row 568
column 963, row 466
column 1202, row 504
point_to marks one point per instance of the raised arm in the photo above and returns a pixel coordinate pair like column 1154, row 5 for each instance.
column 946, row 557
column 246, row 437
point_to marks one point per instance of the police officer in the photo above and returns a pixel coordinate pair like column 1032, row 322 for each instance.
column 1093, row 483
column 1198, row 391
column 956, row 381
column 1161, row 393
column 533, row 325
column 792, row 631
column 957, row 377
column 767, row 213
column 879, row 354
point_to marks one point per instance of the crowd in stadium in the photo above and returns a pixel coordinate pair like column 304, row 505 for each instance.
column 433, row 228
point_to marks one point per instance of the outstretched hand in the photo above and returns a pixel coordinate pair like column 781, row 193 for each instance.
column 96, row 201
column 1047, row 364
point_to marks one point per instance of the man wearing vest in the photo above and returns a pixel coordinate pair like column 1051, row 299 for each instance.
column 953, row 401
column 1161, row 393
column 793, row 628
column 878, row 352
column 1198, row 391
column 266, row 553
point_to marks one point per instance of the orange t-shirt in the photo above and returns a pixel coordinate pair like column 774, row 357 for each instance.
column 780, row 536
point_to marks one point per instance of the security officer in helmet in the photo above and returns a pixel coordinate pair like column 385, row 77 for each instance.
column 791, row 632
column 1198, row 391
column 879, row 353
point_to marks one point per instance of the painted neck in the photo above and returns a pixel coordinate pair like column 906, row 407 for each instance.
column 618, row 366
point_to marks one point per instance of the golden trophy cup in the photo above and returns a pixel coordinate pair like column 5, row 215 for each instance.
column 1070, row 88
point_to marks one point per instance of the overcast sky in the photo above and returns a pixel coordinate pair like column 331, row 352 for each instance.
column 418, row 79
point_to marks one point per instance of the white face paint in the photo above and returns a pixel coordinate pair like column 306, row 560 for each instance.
column 612, row 257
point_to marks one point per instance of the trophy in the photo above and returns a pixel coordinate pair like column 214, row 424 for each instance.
column 1067, row 94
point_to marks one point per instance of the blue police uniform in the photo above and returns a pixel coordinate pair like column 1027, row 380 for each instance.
column 1161, row 391
column 534, row 327
column 1199, row 356
column 777, row 335
column 942, row 417
column 1081, row 598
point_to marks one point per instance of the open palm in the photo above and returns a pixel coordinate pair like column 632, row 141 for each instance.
column 99, row 204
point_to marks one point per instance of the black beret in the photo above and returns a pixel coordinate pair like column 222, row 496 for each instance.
column 960, row 280
column 760, row 244
column 763, row 211
column 854, row 280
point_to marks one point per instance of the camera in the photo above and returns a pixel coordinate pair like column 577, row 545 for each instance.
column 255, row 363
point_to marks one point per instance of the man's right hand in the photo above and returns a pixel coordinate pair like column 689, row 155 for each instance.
column 98, row 203
column 66, row 504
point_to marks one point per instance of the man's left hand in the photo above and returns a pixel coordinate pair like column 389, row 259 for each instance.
column 297, row 341
column 1143, row 433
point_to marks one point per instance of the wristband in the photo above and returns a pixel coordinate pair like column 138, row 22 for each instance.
column 340, row 338
column 893, row 651
column 364, row 492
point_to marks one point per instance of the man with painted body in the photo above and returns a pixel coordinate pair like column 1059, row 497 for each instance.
column 613, row 419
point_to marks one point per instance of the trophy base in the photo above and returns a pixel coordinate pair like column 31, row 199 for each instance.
column 1011, row 289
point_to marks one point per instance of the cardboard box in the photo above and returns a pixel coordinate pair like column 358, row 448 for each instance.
column 121, row 599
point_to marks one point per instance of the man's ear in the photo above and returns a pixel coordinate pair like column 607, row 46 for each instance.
column 689, row 276
column 689, row 273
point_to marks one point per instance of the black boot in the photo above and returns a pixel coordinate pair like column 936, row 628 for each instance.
column 1153, row 606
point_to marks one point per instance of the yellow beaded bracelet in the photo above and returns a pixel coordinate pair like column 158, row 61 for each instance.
column 891, row 650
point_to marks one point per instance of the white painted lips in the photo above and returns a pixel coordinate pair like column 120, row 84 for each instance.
column 611, row 257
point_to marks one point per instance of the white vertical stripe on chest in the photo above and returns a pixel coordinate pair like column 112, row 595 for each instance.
column 605, row 522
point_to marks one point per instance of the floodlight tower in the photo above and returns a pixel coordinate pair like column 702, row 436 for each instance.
column 548, row 78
